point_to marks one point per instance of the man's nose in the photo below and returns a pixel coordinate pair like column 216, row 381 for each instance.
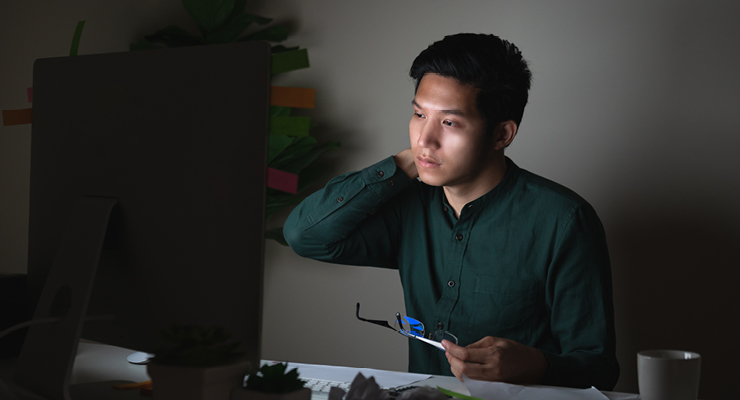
column 429, row 135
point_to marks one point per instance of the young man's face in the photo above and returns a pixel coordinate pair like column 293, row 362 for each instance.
column 448, row 138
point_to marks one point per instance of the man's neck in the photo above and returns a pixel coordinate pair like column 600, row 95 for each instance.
column 460, row 195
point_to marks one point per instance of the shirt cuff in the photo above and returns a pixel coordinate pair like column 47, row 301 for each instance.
column 385, row 178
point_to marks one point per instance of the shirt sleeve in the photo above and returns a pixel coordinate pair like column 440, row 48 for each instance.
column 341, row 223
column 579, row 295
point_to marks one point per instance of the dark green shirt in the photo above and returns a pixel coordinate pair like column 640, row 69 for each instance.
column 527, row 261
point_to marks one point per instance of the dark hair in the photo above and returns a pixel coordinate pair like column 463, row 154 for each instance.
column 492, row 65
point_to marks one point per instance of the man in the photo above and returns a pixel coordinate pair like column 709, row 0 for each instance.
column 515, row 266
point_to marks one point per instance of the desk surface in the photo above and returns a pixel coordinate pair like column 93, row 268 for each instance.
column 97, row 365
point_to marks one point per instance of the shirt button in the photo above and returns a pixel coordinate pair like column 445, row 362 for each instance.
column 391, row 183
column 440, row 326
column 451, row 283
column 459, row 237
column 340, row 199
column 380, row 174
column 445, row 208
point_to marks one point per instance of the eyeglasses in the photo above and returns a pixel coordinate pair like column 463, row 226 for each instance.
column 413, row 329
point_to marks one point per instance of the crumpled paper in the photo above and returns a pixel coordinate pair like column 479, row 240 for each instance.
column 361, row 389
column 422, row 393
column 367, row 389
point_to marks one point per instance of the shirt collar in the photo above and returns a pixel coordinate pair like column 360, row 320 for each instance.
column 510, row 177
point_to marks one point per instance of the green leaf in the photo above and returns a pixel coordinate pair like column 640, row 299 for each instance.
column 76, row 38
column 276, row 33
column 209, row 14
column 296, row 164
column 239, row 6
column 197, row 346
column 174, row 36
column 300, row 146
column 232, row 29
column 260, row 20
column 278, row 111
column 277, row 200
column 277, row 143
column 274, row 379
column 309, row 176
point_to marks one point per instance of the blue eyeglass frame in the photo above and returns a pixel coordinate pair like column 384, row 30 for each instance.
column 414, row 332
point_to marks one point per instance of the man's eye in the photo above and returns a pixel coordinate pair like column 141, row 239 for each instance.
column 419, row 115
column 449, row 123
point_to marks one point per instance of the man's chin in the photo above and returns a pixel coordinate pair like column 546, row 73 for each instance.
column 431, row 179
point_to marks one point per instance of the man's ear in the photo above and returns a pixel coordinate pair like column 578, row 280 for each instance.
column 504, row 134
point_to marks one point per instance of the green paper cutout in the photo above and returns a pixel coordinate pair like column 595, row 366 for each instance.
column 76, row 38
column 457, row 395
column 289, row 61
column 290, row 126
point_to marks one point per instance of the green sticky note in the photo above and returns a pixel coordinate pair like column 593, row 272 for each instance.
column 76, row 39
column 290, row 126
column 456, row 395
column 289, row 61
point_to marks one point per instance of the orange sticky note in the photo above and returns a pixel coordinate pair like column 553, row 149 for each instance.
column 130, row 386
column 17, row 117
column 292, row 97
column 281, row 180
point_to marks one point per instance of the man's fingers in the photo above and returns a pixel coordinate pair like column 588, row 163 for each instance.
column 468, row 353
column 455, row 366
column 470, row 369
column 460, row 353
column 486, row 342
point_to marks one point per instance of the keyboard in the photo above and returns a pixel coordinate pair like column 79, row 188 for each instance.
column 324, row 385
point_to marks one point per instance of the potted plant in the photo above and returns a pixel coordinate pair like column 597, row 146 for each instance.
column 271, row 382
column 201, row 365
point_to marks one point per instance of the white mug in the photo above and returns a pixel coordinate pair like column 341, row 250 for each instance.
column 668, row 374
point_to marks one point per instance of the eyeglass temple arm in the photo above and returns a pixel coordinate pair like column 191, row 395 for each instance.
column 373, row 321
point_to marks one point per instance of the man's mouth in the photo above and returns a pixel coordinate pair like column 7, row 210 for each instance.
column 428, row 162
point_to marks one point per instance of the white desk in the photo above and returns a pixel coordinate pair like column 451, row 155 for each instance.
column 97, row 367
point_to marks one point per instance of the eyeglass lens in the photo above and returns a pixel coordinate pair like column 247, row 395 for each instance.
column 440, row 335
column 409, row 326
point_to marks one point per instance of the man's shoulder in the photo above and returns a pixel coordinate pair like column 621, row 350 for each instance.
column 544, row 190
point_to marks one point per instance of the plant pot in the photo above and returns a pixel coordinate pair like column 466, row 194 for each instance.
column 244, row 394
column 171, row 382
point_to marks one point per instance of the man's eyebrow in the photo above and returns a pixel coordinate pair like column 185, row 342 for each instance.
column 459, row 113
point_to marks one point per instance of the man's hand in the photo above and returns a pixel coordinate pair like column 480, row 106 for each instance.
column 405, row 161
column 496, row 359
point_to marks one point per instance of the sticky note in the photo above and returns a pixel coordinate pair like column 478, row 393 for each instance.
column 290, row 126
column 76, row 39
column 289, row 61
column 281, row 180
column 456, row 395
column 17, row 117
column 292, row 97
column 30, row 94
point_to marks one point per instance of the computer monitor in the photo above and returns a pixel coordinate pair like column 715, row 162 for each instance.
column 147, row 199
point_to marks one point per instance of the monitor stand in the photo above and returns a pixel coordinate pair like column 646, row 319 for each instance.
column 45, row 362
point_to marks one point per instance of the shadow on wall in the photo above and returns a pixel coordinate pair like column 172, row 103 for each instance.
column 676, row 277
